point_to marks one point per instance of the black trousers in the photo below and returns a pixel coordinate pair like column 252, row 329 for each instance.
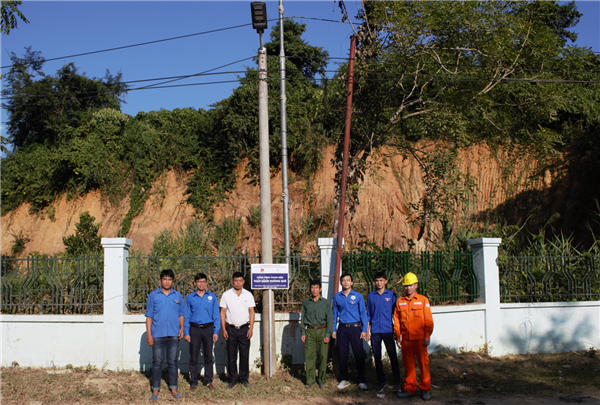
column 201, row 337
column 345, row 338
column 238, row 340
column 390, row 346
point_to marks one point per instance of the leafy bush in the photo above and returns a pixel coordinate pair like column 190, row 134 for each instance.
column 18, row 244
column 86, row 239
column 194, row 240
column 226, row 235
column 254, row 216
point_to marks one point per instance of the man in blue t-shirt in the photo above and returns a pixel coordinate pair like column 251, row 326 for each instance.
column 201, row 328
column 349, row 308
column 164, row 328
column 380, row 311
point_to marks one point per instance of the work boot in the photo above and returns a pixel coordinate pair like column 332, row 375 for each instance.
column 405, row 394
column 425, row 395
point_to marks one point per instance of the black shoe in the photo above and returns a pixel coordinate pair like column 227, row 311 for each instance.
column 397, row 388
column 246, row 384
column 231, row 385
column 322, row 386
column 405, row 394
column 425, row 395
column 381, row 387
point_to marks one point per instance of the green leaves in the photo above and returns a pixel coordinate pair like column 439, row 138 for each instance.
column 51, row 109
column 10, row 12
column 86, row 239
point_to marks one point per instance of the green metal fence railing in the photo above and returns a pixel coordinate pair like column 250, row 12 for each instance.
column 144, row 273
column 55, row 285
column 443, row 278
column 549, row 278
column 52, row 285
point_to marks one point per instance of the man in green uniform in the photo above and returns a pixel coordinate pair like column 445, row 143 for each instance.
column 316, row 325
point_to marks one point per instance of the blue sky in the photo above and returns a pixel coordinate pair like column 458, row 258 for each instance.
column 65, row 28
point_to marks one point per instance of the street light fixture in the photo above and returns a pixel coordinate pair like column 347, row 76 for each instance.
column 259, row 17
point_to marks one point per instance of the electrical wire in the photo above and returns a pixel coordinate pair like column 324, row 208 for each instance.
column 144, row 43
column 170, row 39
column 210, row 72
column 194, row 75
column 445, row 64
column 461, row 79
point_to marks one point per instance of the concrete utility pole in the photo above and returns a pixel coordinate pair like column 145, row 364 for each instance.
column 284, row 154
column 259, row 22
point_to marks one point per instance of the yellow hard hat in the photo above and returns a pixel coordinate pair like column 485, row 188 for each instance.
column 410, row 279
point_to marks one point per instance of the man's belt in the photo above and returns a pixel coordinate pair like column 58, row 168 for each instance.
column 238, row 327
column 316, row 327
column 351, row 325
column 204, row 325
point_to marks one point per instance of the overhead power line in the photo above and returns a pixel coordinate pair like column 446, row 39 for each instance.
column 142, row 43
column 462, row 79
column 193, row 75
column 171, row 39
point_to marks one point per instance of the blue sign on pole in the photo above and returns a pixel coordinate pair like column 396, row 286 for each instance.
column 270, row 277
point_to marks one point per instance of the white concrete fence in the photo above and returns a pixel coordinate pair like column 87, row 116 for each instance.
column 117, row 341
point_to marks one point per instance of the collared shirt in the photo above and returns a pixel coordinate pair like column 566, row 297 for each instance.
column 201, row 310
column 237, row 306
column 350, row 309
column 412, row 318
column 316, row 314
column 380, row 311
column 164, row 310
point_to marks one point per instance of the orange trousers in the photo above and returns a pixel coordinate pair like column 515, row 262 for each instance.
column 410, row 349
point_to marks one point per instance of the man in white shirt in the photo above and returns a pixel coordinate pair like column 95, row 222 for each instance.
column 237, row 318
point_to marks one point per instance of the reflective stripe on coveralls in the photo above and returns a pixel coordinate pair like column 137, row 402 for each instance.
column 413, row 320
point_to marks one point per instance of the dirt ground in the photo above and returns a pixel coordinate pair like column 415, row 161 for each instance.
column 461, row 379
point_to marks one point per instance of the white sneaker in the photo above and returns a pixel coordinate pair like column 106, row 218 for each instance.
column 343, row 384
column 362, row 386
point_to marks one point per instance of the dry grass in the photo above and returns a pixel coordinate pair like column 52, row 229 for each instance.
column 453, row 375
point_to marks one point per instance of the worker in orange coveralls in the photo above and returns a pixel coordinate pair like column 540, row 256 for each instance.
column 413, row 325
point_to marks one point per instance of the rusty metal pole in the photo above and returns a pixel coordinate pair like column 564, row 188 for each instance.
column 340, row 238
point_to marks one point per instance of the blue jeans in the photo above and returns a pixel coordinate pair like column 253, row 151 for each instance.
column 164, row 346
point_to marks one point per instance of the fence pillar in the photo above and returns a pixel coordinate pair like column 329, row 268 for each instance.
column 485, row 265
column 327, row 247
column 116, row 272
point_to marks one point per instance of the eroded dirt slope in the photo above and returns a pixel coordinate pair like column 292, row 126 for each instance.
column 385, row 215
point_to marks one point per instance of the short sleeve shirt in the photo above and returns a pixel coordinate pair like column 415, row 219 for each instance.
column 237, row 306
column 164, row 310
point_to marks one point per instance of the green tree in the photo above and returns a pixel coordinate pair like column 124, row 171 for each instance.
column 86, row 239
column 51, row 109
column 10, row 12
column 236, row 119
column 308, row 59
column 458, row 72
